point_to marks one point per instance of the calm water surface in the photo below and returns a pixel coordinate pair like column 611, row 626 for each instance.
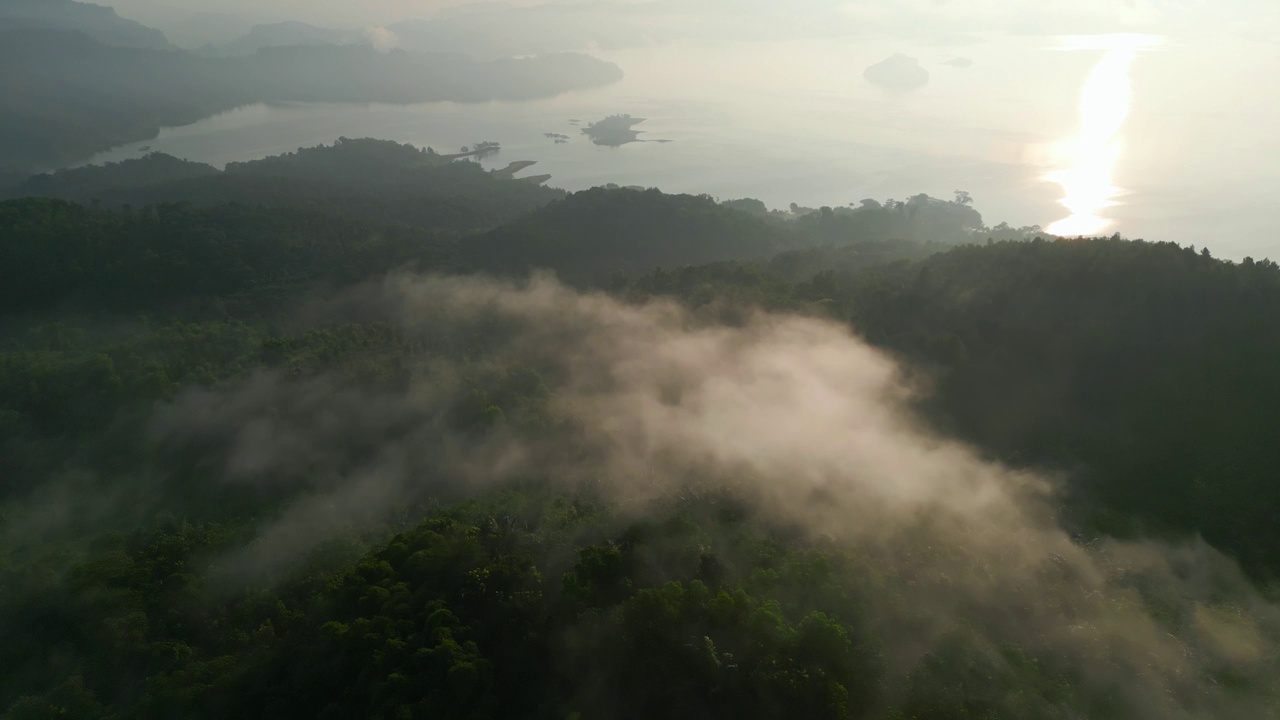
column 1190, row 159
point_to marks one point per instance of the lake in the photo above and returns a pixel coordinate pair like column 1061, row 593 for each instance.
column 1176, row 142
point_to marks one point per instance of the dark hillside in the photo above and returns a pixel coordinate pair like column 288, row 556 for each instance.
column 252, row 464
column 378, row 181
column 595, row 233
column 1145, row 371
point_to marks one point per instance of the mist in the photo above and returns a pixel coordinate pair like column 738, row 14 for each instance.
column 795, row 417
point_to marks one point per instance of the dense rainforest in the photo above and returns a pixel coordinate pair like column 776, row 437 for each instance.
column 364, row 431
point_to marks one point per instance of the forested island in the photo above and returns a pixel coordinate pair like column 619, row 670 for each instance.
column 614, row 131
column 367, row 431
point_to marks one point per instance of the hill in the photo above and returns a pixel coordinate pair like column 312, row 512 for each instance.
column 1131, row 367
column 305, row 456
column 117, row 183
column 596, row 233
column 286, row 34
column 98, row 22
column 378, row 181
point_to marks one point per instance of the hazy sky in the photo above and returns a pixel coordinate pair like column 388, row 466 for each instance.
column 1255, row 18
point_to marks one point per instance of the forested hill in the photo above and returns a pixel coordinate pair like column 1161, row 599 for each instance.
column 155, row 177
column 597, row 233
column 375, row 180
column 159, row 226
column 1144, row 370
column 287, row 448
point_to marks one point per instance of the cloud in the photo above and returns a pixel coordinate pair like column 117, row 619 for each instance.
column 382, row 38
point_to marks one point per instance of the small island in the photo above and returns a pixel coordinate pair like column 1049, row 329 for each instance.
column 481, row 150
column 900, row 73
column 614, row 130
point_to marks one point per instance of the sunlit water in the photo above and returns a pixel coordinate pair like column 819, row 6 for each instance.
column 1105, row 103
column 1026, row 128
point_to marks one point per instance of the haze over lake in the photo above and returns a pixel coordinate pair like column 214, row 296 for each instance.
column 797, row 122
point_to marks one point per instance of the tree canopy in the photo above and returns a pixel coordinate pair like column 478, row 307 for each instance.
column 257, row 434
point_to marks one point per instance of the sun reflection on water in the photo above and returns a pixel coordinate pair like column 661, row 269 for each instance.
column 1104, row 106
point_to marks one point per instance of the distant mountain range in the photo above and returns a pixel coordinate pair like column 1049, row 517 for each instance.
column 77, row 79
column 286, row 34
column 99, row 22
column 482, row 31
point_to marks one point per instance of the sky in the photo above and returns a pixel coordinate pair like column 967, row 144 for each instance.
column 1258, row 19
